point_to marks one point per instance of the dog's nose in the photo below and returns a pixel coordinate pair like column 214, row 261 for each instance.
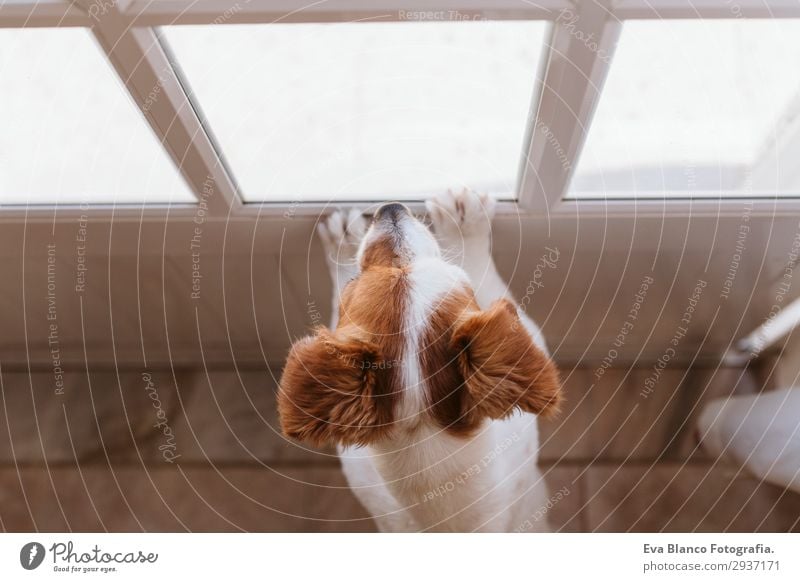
column 391, row 211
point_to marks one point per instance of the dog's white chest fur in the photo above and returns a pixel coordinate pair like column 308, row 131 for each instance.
column 489, row 483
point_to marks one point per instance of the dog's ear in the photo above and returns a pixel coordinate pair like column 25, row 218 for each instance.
column 334, row 390
column 503, row 369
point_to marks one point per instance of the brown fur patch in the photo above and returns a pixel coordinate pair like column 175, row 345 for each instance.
column 342, row 387
column 331, row 391
column 502, row 367
column 440, row 365
column 380, row 253
column 483, row 364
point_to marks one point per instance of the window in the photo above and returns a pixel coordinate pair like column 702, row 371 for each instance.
column 634, row 103
column 697, row 108
column 70, row 132
column 364, row 111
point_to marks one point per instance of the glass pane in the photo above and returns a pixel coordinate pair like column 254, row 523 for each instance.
column 365, row 110
column 70, row 132
column 697, row 109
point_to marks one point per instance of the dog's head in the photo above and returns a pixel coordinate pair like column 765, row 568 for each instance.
column 411, row 349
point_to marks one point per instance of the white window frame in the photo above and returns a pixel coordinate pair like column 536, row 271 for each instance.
column 568, row 94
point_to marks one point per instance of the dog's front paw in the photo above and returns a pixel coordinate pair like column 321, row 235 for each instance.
column 341, row 234
column 466, row 215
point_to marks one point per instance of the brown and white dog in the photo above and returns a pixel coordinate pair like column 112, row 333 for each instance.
column 430, row 378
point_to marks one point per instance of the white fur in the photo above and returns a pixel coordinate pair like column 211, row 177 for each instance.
column 425, row 479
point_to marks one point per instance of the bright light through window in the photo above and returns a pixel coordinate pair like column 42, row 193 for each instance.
column 701, row 108
column 70, row 132
column 365, row 110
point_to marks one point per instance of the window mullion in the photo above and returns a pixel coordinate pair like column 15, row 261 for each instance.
column 137, row 57
column 580, row 54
